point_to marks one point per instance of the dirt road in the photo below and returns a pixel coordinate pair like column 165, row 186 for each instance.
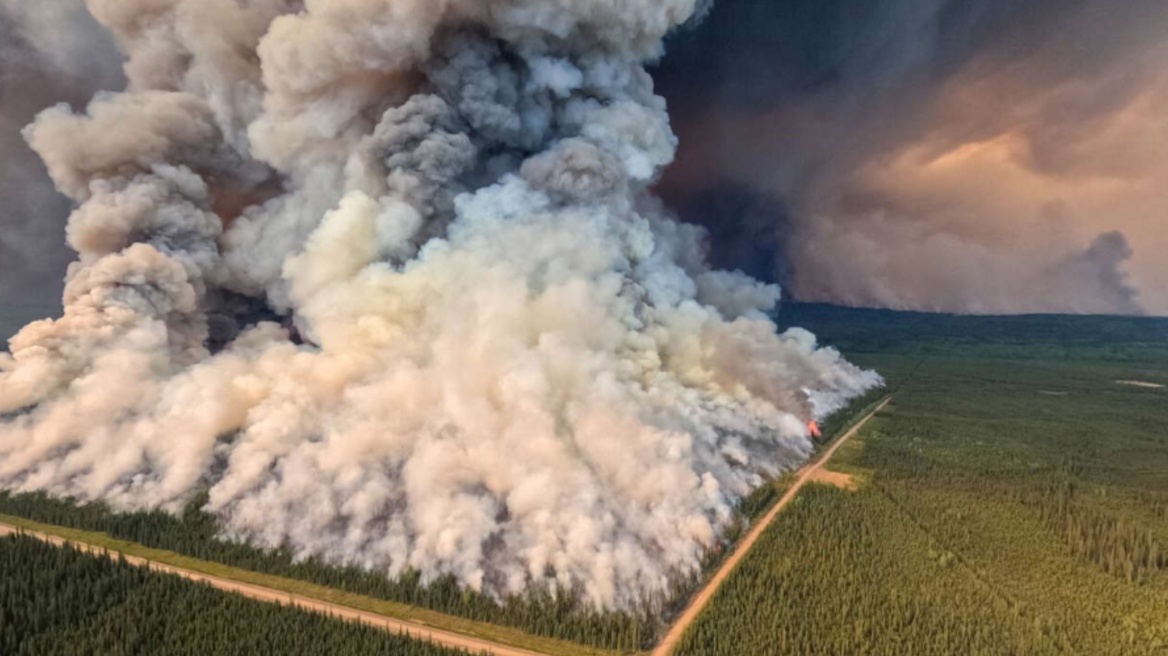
column 444, row 638
column 807, row 474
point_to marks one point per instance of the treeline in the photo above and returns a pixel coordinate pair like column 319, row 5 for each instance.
column 194, row 533
column 59, row 601
column 1026, row 337
column 836, row 425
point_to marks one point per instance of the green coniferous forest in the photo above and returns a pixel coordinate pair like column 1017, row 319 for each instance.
column 1012, row 501
column 194, row 533
column 59, row 601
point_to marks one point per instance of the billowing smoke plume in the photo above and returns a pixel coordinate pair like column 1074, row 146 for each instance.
column 962, row 155
column 384, row 277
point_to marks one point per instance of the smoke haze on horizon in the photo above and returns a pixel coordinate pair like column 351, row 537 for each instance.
column 984, row 156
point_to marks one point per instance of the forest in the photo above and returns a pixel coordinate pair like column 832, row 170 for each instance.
column 194, row 533
column 59, row 601
column 1009, row 505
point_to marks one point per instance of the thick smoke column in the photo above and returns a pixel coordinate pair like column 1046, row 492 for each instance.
column 385, row 278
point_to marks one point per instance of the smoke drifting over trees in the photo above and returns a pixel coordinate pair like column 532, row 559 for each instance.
column 993, row 156
column 385, row 278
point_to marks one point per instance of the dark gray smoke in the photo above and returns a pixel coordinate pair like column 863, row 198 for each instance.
column 960, row 155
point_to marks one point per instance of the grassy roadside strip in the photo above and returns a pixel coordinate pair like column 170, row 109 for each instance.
column 497, row 634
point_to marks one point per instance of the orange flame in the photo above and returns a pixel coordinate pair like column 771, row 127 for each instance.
column 813, row 428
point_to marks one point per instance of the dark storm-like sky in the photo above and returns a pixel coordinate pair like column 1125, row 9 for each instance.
column 993, row 156
column 963, row 155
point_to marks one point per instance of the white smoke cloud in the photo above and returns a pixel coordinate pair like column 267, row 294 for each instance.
column 499, row 358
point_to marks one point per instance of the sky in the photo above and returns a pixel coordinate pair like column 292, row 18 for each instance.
column 981, row 156
column 50, row 52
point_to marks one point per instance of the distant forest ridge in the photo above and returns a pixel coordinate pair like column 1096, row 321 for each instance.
column 1037, row 336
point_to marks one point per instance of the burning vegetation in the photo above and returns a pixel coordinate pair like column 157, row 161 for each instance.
column 386, row 281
